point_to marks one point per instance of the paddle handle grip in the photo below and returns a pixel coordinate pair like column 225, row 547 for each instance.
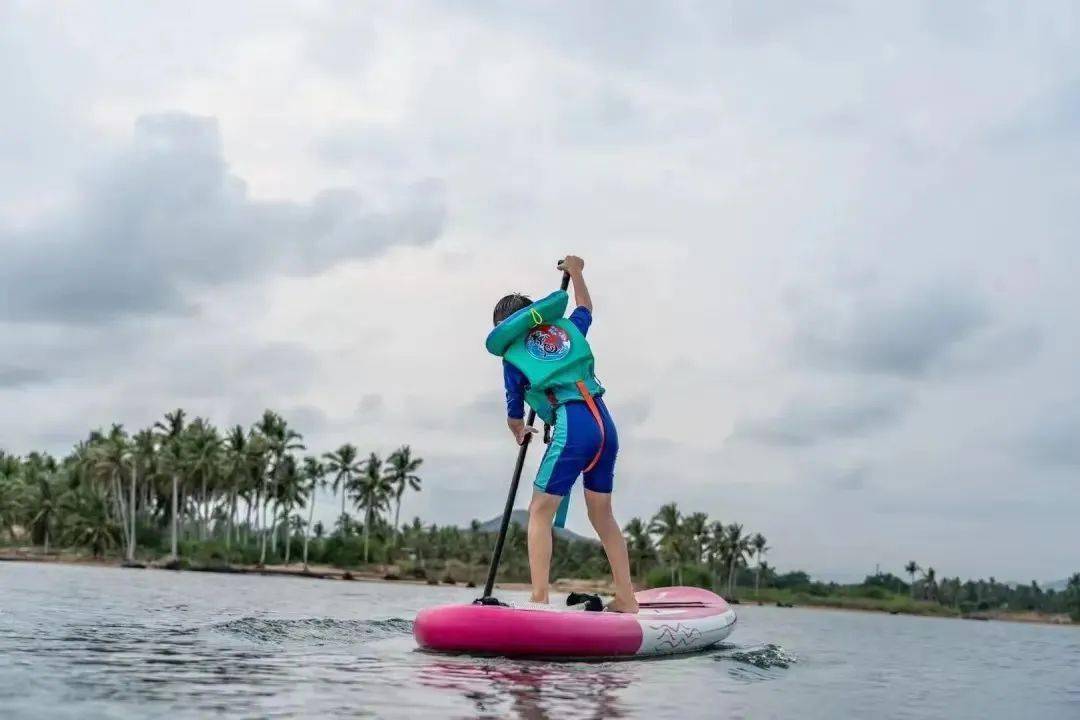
column 565, row 277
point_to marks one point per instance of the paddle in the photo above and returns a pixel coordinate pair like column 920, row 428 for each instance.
column 489, row 586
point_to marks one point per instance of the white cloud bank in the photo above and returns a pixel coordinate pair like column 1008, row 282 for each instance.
column 832, row 247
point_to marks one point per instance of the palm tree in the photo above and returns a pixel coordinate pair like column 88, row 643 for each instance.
column 255, row 483
column 280, row 440
column 475, row 545
column 738, row 545
column 414, row 532
column 108, row 457
column 696, row 528
column 929, row 585
column 911, row 568
column 1073, row 588
column 400, row 473
column 344, row 466
column 89, row 523
column 765, row 570
column 203, row 463
column 343, row 526
column 371, row 493
column 172, row 459
column 144, row 458
column 758, row 543
column 43, row 499
column 716, row 551
column 289, row 488
column 11, row 492
column 666, row 524
column 314, row 472
column 236, row 472
column 295, row 525
column 291, row 493
column 639, row 544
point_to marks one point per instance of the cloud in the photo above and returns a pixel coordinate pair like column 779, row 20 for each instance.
column 15, row 376
column 483, row 413
column 167, row 215
column 908, row 336
column 1051, row 116
column 307, row 419
column 757, row 22
column 633, row 411
column 997, row 349
column 702, row 159
column 370, row 407
column 272, row 364
column 851, row 479
column 1055, row 440
column 810, row 420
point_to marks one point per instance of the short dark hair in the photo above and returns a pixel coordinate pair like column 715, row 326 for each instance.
column 508, row 306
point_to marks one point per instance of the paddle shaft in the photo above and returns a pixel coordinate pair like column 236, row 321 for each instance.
column 511, row 496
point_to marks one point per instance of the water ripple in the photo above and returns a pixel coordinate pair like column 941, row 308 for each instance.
column 764, row 657
column 94, row 643
column 755, row 664
column 313, row 631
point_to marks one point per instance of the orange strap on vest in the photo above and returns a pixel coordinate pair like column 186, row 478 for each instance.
column 588, row 398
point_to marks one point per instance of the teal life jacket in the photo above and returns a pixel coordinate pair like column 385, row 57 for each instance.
column 550, row 351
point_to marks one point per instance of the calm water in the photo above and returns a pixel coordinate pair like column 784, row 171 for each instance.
column 80, row 642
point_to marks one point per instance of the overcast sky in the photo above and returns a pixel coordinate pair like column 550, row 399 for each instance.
column 833, row 248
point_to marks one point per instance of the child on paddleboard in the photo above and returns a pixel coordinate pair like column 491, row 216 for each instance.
column 548, row 363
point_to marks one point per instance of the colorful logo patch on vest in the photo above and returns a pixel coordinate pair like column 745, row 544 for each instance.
column 548, row 342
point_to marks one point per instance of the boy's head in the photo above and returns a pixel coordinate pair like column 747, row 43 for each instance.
column 508, row 306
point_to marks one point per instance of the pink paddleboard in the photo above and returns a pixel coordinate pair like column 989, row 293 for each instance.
column 672, row 620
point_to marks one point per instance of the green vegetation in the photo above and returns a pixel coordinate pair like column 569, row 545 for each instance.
column 191, row 495
column 672, row 549
column 187, row 492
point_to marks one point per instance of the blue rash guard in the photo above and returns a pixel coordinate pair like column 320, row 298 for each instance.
column 576, row 438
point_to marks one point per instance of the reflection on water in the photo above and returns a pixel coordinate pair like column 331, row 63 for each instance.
column 539, row 690
column 107, row 643
column 534, row 690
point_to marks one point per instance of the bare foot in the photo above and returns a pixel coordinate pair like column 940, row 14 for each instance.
column 622, row 606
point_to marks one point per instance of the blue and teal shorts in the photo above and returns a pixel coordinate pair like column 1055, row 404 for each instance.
column 575, row 441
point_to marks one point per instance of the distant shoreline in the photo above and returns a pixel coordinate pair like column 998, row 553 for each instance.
column 323, row 572
column 314, row 572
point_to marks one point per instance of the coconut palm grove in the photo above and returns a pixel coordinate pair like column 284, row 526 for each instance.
column 184, row 493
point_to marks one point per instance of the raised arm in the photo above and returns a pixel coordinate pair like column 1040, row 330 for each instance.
column 574, row 266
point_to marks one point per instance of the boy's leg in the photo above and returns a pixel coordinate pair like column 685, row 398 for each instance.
column 555, row 477
column 599, row 482
column 603, row 521
column 541, row 513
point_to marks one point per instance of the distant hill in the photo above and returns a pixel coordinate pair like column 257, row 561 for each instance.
column 521, row 519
